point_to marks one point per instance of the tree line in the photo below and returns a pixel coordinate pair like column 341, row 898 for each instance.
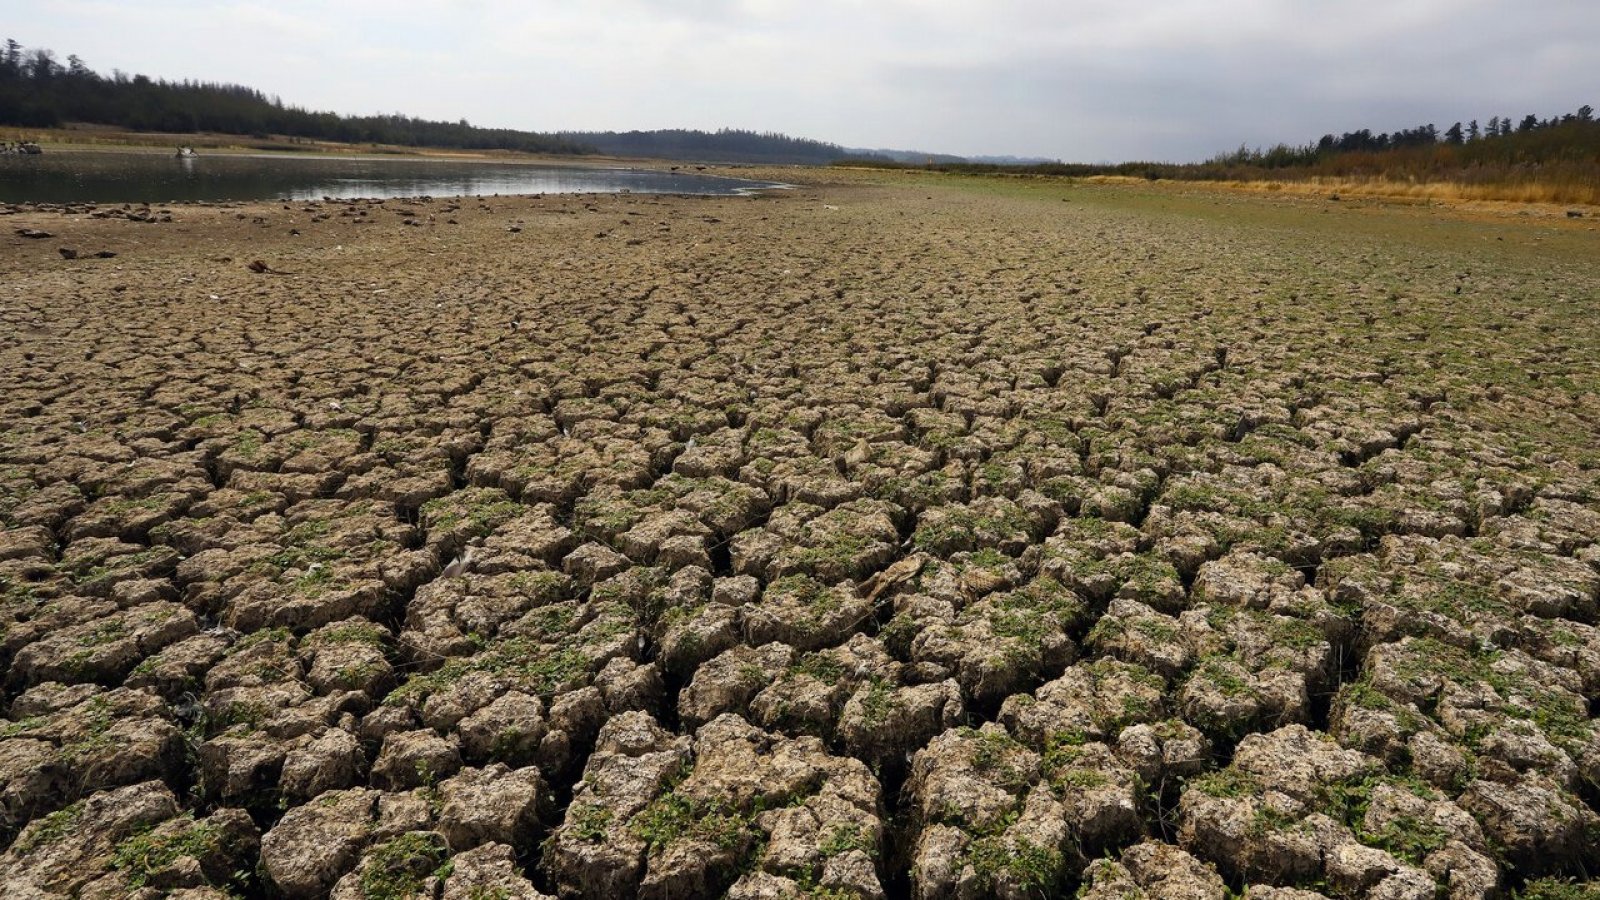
column 1554, row 159
column 725, row 145
column 37, row 91
column 1576, row 132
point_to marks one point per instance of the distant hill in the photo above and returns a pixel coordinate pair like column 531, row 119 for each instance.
column 1013, row 160
column 727, row 145
column 913, row 157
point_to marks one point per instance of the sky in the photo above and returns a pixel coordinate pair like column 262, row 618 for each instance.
column 1076, row 80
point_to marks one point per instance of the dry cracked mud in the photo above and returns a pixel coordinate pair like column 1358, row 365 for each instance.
column 914, row 538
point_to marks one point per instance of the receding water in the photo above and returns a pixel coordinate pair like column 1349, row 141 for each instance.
column 113, row 177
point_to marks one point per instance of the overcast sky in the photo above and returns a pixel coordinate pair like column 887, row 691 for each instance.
column 1078, row 80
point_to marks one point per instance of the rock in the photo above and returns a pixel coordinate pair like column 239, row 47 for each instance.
column 415, row 758
column 511, row 729
column 348, row 656
column 1465, row 873
column 1541, row 828
column 735, row 591
column 764, row 886
column 492, row 805
column 314, row 845
column 729, row 682
column 593, row 563
column 456, row 699
column 106, row 649
column 697, row 636
column 62, row 853
column 331, row 761
column 100, row 739
column 1093, row 699
column 181, row 667
column 114, row 841
column 594, row 854
column 805, row 614
column 984, row 821
column 488, row 871
column 631, row 821
column 579, row 714
column 1135, row 633
column 1356, row 870
column 1168, row 748
column 627, row 685
column 1152, row 871
column 1298, row 761
column 33, row 778
column 407, row 866
column 1005, row 643
column 884, row 724
column 184, row 852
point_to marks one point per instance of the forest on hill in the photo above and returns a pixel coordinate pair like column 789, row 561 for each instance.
column 1556, row 158
column 38, row 91
column 726, row 145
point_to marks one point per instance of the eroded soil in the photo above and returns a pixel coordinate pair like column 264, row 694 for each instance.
column 939, row 539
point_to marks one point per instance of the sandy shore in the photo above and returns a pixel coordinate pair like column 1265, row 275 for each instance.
column 887, row 536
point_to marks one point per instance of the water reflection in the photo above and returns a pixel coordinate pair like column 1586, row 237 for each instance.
column 109, row 177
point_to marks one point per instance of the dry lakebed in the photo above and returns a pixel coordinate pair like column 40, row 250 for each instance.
column 889, row 536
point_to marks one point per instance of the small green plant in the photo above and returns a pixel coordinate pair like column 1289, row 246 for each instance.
column 399, row 868
column 356, row 633
column 672, row 816
column 1032, row 868
column 589, row 822
column 141, row 856
column 807, row 591
column 845, row 838
column 823, row 668
column 480, row 510
column 541, row 668
column 878, row 701
column 1559, row 889
column 52, row 828
column 1227, row 783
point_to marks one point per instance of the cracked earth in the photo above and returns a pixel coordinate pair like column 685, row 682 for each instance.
column 929, row 538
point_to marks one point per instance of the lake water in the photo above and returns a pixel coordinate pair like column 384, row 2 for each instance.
column 111, row 177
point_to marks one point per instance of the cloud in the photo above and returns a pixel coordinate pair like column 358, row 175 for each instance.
column 1083, row 79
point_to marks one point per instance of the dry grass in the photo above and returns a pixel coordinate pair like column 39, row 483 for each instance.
column 1534, row 193
column 1564, row 193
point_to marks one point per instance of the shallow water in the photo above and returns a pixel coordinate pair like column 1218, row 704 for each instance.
column 111, row 177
